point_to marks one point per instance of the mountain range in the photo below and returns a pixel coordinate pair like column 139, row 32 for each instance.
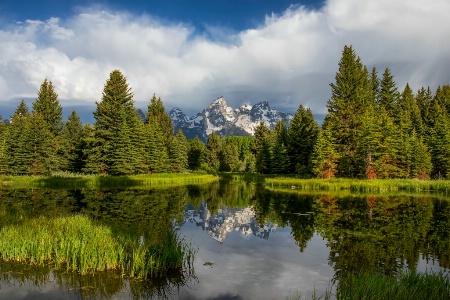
column 218, row 117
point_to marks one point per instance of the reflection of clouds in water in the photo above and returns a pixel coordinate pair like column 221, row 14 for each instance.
column 255, row 268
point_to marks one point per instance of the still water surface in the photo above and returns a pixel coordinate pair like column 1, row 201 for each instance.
column 251, row 243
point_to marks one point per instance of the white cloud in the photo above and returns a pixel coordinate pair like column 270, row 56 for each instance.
column 288, row 60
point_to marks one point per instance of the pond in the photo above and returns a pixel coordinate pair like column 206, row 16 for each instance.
column 249, row 242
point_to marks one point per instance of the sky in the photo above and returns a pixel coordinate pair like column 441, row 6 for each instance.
column 189, row 52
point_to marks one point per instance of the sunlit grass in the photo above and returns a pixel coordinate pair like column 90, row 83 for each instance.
column 361, row 185
column 406, row 285
column 78, row 244
column 73, row 180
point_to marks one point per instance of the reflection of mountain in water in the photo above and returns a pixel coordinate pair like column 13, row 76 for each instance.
column 226, row 220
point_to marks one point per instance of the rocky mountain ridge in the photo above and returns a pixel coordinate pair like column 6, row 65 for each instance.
column 218, row 117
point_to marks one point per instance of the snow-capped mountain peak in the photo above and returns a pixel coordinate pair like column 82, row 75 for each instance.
column 218, row 117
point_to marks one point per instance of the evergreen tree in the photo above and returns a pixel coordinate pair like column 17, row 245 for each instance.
column 72, row 136
column 375, row 84
column 196, row 153
column 280, row 159
column 351, row 96
column 156, row 114
column 324, row 157
column 301, row 137
column 424, row 99
column 421, row 165
column 213, row 148
column 178, row 153
column 156, row 154
column 229, row 156
column 439, row 143
column 261, row 148
column 407, row 106
column 389, row 94
column 47, row 104
column 18, row 151
column 120, row 148
column 39, row 140
column 115, row 116
column 4, row 134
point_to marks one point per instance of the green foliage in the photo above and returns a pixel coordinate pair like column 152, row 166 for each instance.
column 47, row 104
column 72, row 135
column 196, row 153
column 213, row 149
column 406, row 285
column 115, row 147
column 178, row 153
column 301, row 138
column 389, row 95
column 261, row 148
column 351, row 96
column 79, row 244
column 324, row 157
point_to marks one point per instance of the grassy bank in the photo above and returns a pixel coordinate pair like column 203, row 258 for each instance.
column 67, row 180
column 361, row 185
column 76, row 243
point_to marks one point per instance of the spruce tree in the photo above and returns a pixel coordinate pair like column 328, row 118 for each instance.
column 389, row 94
column 156, row 114
column 39, row 140
column 18, row 151
column 351, row 95
column 72, row 136
column 324, row 158
column 301, row 137
column 178, row 153
column 47, row 104
column 196, row 153
column 4, row 139
column 229, row 156
column 213, row 148
column 115, row 122
column 261, row 148
column 280, row 159
column 156, row 154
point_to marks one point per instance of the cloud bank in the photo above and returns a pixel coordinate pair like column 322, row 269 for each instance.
column 290, row 59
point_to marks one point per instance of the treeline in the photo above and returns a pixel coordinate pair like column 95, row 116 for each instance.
column 371, row 130
column 118, row 142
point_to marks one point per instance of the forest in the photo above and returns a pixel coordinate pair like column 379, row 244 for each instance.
column 371, row 130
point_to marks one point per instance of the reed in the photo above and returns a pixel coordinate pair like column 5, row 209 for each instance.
column 76, row 243
column 406, row 285
column 361, row 185
column 69, row 180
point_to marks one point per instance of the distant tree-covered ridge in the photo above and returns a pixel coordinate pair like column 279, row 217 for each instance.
column 371, row 130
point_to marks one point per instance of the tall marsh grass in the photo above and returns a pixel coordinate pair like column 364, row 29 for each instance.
column 361, row 185
column 406, row 285
column 76, row 243
column 72, row 180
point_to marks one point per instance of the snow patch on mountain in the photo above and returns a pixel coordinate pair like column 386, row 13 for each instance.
column 224, row 120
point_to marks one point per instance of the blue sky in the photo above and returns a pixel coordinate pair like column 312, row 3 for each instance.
column 233, row 14
column 190, row 52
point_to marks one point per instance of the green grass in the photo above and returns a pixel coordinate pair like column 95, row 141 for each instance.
column 69, row 180
column 78, row 244
column 361, row 185
column 406, row 285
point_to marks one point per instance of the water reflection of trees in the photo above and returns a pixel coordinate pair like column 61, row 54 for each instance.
column 101, row 285
column 379, row 233
column 384, row 233
column 133, row 214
